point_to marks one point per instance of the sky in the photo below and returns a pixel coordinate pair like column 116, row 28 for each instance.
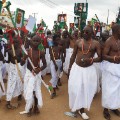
column 49, row 9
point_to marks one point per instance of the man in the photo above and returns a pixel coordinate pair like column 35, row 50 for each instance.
column 69, row 50
column 66, row 43
column 56, row 65
column 47, row 56
column 14, row 84
column 2, row 87
column 75, row 37
column 111, row 74
column 82, row 82
column 32, row 79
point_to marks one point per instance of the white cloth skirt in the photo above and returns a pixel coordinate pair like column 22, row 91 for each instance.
column 47, row 56
column 14, row 84
column 1, row 81
column 32, row 83
column 99, row 73
column 82, row 87
column 111, row 85
column 54, row 73
column 67, row 59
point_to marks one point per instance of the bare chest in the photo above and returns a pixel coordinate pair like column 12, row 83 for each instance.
column 86, row 47
column 115, row 46
column 34, row 55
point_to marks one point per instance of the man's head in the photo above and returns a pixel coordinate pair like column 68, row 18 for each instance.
column 105, row 35
column 36, row 40
column 76, row 32
column 56, row 40
column 87, row 32
column 18, row 19
column 116, row 31
column 49, row 33
column 65, row 34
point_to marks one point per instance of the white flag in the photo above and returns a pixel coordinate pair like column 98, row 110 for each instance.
column 31, row 23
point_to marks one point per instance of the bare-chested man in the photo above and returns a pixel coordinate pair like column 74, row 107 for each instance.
column 66, row 44
column 2, row 87
column 75, row 37
column 69, row 50
column 82, row 82
column 47, row 55
column 32, row 79
column 14, row 84
column 56, row 53
column 111, row 74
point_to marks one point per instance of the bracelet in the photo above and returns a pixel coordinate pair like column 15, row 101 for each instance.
column 114, row 58
column 91, row 60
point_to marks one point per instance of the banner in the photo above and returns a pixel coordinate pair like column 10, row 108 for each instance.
column 62, row 17
column 19, row 18
column 31, row 23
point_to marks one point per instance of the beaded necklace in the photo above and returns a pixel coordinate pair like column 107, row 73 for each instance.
column 83, row 52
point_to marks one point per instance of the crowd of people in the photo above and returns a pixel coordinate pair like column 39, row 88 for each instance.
column 90, row 65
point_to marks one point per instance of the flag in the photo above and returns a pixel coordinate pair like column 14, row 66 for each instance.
column 34, row 29
column 56, row 26
column 71, row 28
column 43, row 23
column 31, row 23
column 93, row 20
column 62, row 25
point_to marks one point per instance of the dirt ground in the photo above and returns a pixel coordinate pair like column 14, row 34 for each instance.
column 53, row 109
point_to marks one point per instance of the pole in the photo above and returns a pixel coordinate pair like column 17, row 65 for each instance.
column 34, row 14
column 108, row 17
column 13, row 49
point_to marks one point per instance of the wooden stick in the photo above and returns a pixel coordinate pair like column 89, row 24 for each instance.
column 1, row 87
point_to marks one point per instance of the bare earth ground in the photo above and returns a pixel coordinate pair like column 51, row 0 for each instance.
column 53, row 109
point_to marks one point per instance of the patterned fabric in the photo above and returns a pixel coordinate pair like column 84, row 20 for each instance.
column 14, row 85
column 2, row 92
column 32, row 83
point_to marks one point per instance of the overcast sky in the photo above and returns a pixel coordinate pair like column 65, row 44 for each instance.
column 48, row 9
